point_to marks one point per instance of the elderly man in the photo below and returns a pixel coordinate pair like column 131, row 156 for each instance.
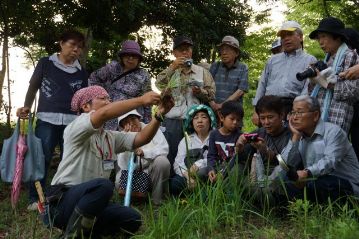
column 279, row 75
column 189, row 83
column 330, row 168
column 80, row 189
column 229, row 74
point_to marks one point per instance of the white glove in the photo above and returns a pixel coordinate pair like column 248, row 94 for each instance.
column 329, row 75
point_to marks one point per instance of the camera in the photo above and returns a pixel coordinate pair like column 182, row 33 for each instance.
column 188, row 62
column 195, row 83
column 311, row 72
column 251, row 137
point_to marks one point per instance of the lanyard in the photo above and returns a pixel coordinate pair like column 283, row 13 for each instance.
column 109, row 147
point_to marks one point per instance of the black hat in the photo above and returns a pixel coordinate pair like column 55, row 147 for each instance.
column 329, row 25
column 177, row 41
column 352, row 36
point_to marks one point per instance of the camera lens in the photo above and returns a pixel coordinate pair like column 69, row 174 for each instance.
column 310, row 72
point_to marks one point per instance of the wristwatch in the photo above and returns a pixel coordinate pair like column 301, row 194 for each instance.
column 159, row 118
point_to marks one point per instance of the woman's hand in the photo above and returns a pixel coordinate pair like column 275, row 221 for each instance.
column 212, row 176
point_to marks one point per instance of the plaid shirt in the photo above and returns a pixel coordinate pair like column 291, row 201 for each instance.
column 236, row 77
column 346, row 93
column 127, row 87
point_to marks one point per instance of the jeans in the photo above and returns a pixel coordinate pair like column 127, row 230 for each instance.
column 320, row 189
column 51, row 135
column 93, row 199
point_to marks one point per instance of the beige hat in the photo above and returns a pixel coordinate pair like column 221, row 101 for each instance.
column 230, row 41
column 289, row 26
column 132, row 112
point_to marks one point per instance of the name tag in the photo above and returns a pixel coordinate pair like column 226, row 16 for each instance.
column 108, row 164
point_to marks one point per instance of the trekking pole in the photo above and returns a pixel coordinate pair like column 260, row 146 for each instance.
column 130, row 169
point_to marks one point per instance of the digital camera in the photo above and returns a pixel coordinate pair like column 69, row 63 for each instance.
column 311, row 72
column 251, row 137
column 188, row 62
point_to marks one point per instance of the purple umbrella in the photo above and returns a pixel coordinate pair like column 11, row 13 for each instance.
column 21, row 149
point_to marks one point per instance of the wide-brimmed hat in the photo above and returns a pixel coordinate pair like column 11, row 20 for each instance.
column 130, row 47
column 180, row 40
column 132, row 112
column 329, row 25
column 230, row 41
column 352, row 38
column 289, row 26
column 192, row 112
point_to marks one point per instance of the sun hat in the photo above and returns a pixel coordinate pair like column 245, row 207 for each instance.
column 276, row 43
column 329, row 25
column 130, row 47
column 289, row 26
column 180, row 40
column 230, row 41
column 192, row 112
column 352, row 37
column 85, row 95
column 132, row 112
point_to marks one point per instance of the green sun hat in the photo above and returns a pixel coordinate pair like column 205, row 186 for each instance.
column 191, row 113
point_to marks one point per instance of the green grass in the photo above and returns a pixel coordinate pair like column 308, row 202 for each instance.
column 223, row 210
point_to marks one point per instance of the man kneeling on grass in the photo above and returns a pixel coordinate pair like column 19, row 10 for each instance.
column 84, row 208
column 330, row 168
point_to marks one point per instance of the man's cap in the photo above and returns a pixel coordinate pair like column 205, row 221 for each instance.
column 230, row 41
column 180, row 40
column 329, row 25
column 289, row 26
column 132, row 112
column 276, row 43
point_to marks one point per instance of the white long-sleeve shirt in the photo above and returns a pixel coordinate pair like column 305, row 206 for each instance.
column 193, row 143
column 156, row 147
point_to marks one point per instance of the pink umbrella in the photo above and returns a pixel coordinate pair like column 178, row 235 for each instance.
column 21, row 149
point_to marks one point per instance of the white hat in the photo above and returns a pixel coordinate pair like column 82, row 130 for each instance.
column 132, row 112
column 289, row 26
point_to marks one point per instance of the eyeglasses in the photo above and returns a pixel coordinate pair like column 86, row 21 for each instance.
column 299, row 113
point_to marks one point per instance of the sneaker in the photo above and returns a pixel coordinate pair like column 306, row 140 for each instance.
column 32, row 206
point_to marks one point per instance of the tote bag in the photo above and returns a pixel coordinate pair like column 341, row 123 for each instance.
column 34, row 162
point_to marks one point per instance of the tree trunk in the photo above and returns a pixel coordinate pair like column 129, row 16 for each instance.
column 8, row 113
column 4, row 66
column 88, row 40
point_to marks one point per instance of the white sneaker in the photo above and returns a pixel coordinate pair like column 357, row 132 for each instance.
column 32, row 206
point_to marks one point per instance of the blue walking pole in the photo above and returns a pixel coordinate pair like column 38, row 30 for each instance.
column 130, row 169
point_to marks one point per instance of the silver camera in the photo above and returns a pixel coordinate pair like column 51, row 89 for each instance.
column 188, row 62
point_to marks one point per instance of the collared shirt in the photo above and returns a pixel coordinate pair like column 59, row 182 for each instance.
column 229, row 80
column 85, row 150
column 134, row 84
column 185, row 97
column 327, row 151
column 195, row 142
column 346, row 93
column 278, row 77
column 72, row 68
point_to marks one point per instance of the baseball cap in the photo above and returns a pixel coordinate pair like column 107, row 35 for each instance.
column 177, row 41
column 230, row 41
column 289, row 26
column 132, row 112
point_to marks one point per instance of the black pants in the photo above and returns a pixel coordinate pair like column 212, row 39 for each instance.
column 93, row 198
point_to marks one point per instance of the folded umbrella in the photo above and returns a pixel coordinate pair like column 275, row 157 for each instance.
column 21, row 149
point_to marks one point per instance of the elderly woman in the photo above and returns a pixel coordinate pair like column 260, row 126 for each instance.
column 57, row 78
column 124, row 79
column 338, row 97
column 191, row 159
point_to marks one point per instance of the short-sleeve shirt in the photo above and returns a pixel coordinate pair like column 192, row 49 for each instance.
column 85, row 150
